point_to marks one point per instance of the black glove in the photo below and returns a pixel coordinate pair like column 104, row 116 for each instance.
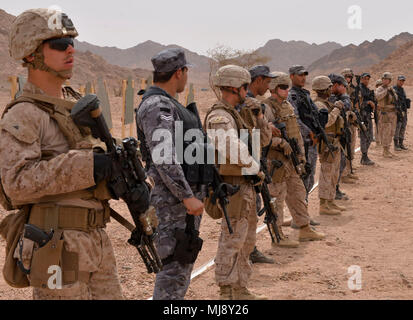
column 102, row 167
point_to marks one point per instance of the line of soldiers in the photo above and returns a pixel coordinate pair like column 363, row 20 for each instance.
column 57, row 173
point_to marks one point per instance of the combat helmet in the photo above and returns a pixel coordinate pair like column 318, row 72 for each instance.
column 281, row 78
column 387, row 75
column 321, row 83
column 31, row 28
column 347, row 72
column 232, row 76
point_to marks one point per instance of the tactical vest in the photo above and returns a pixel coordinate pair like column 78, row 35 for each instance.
column 387, row 104
column 284, row 113
column 231, row 169
column 194, row 173
column 334, row 131
column 77, row 138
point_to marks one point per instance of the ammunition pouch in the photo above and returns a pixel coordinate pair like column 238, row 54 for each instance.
column 48, row 216
column 188, row 244
column 213, row 210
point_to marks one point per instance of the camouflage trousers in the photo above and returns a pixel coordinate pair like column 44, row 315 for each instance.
column 366, row 139
column 387, row 128
column 312, row 160
column 233, row 267
column 291, row 191
column 401, row 127
column 173, row 281
column 96, row 256
column 329, row 174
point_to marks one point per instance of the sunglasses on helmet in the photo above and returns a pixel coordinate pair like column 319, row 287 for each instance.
column 60, row 44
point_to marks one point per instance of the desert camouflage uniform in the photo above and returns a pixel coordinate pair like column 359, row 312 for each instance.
column 287, row 185
column 35, row 163
column 233, row 267
column 171, row 188
column 388, row 116
column 330, row 164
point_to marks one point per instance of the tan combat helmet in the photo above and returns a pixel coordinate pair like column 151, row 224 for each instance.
column 387, row 75
column 232, row 76
column 281, row 78
column 347, row 73
column 31, row 28
column 321, row 83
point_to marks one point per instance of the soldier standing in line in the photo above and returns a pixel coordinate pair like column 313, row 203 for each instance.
column 233, row 266
column 339, row 94
column 330, row 160
column 50, row 168
column 177, row 201
column 387, row 99
column 298, row 76
column 404, row 104
column 287, row 184
column 367, row 108
column 260, row 78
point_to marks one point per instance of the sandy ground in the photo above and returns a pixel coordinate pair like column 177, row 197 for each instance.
column 374, row 234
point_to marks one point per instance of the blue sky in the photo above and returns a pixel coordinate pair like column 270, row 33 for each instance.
column 201, row 25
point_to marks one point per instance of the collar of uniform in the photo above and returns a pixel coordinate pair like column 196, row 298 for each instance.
column 32, row 88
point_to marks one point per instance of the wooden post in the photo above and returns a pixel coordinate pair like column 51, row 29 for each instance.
column 123, row 107
column 131, row 125
column 13, row 88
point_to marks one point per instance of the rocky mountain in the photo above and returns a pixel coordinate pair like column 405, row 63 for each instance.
column 359, row 58
column 88, row 66
column 140, row 56
column 285, row 54
column 399, row 62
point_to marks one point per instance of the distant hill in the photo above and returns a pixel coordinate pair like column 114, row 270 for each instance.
column 399, row 62
column 359, row 58
column 140, row 56
column 285, row 54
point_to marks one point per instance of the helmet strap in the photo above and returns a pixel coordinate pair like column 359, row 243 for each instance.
column 39, row 64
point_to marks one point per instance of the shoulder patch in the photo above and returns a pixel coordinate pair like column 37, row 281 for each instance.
column 218, row 120
column 21, row 133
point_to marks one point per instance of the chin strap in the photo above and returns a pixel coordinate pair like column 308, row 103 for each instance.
column 38, row 63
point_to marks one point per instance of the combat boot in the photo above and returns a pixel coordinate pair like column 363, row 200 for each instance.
column 245, row 294
column 401, row 145
column 258, row 257
column 334, row 205
column 396, row 145
column 309, row 234
column 387, row 153
column 366, row 161
column 285, row 242
column 340, row 195
column 325, row 209
column 225, row 293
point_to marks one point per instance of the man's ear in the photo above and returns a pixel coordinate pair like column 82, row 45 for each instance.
column 29, row 58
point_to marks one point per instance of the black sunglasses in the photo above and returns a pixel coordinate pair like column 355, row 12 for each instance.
column 283, row 86
column 60, row 44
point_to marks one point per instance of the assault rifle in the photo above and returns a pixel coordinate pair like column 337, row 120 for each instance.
column 294, row 154
column 127, row 181
column 269, row 208
column 356, row 101
column 310, row 117
column 345, row 139
column 221, row 190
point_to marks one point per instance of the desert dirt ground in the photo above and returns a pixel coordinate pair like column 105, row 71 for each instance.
column 375, row 233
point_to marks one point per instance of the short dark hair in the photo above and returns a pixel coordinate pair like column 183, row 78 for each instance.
column 163, row 77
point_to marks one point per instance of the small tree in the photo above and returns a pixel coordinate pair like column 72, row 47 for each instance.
column 223, row 55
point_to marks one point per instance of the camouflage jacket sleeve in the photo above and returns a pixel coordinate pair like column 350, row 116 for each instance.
column 381, row 93
column 23, row 172
column 158, row 116
column 262, row 124
column 332, row 116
